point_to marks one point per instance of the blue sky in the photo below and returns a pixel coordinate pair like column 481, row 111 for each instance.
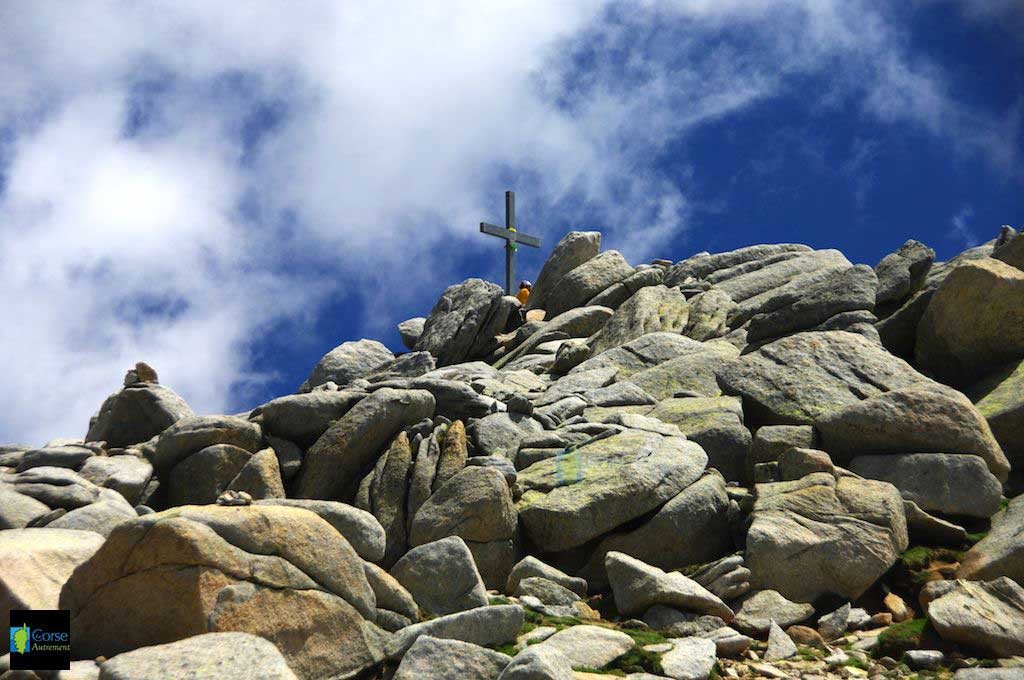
column 228, row 195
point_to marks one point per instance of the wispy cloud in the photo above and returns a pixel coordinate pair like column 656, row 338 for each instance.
column 961, row 229
column 176, row 178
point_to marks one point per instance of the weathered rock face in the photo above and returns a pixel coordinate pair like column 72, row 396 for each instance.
column 280, row 573
column 924, row 417
column 575, row 248
column 463, row 322
column 638, row 587
column 302, row 418
column 937, row 482
column 450, row 660
column 37, row 563
column 461, row 588
column 799, row 378
column 136, row 414
column 1001, row 552
column 589, row 646
column 234, row 655
column 484, row 626
column 974, row 322
column 812, row 300
column 583, row 283
column 190, row 435
column 902, row 273
column 335, row 463
column 649, row 310
column 692, row 528
column 474, row 504
column 1000, row 399
column 571, row 499
column 986, row 615
column 756, row 612
column 820, row 535
column 346, row 362
column 59, row 498
column 692, row 372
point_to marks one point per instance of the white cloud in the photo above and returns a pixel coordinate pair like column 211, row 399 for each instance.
column 140, row 219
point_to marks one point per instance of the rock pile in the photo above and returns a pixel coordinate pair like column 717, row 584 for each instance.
column 768, row 462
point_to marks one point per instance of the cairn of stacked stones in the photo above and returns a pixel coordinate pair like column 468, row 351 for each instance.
column 769, row 462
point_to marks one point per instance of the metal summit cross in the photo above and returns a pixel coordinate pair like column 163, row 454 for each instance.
column 512, row 239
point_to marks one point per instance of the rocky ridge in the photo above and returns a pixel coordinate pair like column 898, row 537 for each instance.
column 769, row 462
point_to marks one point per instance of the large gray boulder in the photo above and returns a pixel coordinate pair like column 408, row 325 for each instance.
column 463, row 322
column 411, row 330
column 753, row 285
column 999, row 397
column 136, row 414
column 126, row 474
column 360, row 528
column 1001, row 552
column 538, row 662
column 475, row 504
column 346, row 362
column 240, row 656
column 531, row 567
column 820, row 535
column 902, row 273
column 796, row 380
column 387, row 496
column 583, row 283
column 37, row 563
column 950, row 484
column 756, row 612
column 189, row 435
column 704, row 265
column 441, row 659
column 281, row 573
column 589, row 646
column 204, row 475
column 691, row 658
column 302, row 418
column 692, row 528
column 716, row 423
column 17, row 510
column 804, row 304
column 974, row 322
column 461, row 588
column 638, row 586
column 575, row 248
column 924, row 417
column 709, row 315
column 572, row 498
column 693, row 372
column 335, row 463
column 643, row 353
column 649, row 310
column 581, row 322
column 985, row 615
column 485, row 626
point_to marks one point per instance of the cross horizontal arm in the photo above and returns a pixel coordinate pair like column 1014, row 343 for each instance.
column 509, row 235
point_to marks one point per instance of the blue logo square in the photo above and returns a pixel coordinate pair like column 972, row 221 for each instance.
column 21, row 640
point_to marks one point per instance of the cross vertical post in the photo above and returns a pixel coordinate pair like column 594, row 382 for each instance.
column 512, row 240
column 510, row 244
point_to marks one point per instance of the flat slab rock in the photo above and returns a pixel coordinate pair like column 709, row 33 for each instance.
column 228, row 655
column 987, row 615
column 589, row 646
